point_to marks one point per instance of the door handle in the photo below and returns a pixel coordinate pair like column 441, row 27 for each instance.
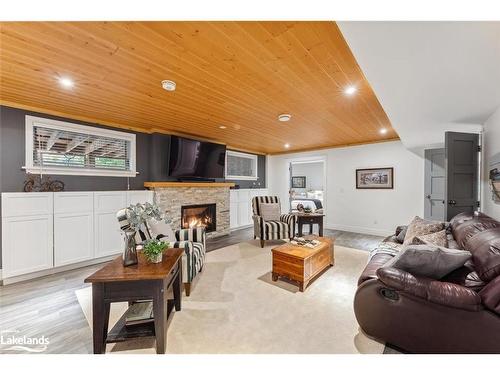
column 452, row 202
column 428, row 196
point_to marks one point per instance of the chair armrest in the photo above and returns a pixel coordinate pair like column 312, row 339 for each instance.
column 442, row 293
column 186, row 245
column 191, row 234
column 257, row 219
column 288, row 218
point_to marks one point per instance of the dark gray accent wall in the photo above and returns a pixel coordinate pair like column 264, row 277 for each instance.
column 12, row 148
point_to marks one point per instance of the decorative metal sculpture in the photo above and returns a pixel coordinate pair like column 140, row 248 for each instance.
column 39, row 183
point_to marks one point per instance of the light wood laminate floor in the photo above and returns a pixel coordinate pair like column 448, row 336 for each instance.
column 48, row 306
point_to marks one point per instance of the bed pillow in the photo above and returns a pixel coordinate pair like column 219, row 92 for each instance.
column 436, row 238
column 270, row 211
column 430, row 261
column 419, row 227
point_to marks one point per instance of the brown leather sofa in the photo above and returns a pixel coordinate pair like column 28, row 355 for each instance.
column 457, row 314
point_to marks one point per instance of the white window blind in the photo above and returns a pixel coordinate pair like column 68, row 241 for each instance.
column 64, row 148
column 241, row 166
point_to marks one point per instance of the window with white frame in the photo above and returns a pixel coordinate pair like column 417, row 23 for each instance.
column 59, row 147
column 241, row 166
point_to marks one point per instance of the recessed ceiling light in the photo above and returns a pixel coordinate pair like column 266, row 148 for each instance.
column 287, row 145
column 383, row 131
column 66, row 82
column 350, row 90
column 168, row 85
column 222, row 127
column 284, row 117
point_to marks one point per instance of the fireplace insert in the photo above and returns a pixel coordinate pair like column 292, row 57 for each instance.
column 199, row 215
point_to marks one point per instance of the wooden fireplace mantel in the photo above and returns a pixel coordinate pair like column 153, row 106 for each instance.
column 172, row 184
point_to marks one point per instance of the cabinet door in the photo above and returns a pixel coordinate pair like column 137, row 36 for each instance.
column 73, row 238
column 108, row 238
column 243, row 217
column 233, row 215
column 27, row 244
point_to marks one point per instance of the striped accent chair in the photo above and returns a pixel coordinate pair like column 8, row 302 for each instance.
column 192, row 240
column 271, row 230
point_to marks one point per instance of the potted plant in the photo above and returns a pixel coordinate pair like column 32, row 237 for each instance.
column 137, row 216
column 153, row 250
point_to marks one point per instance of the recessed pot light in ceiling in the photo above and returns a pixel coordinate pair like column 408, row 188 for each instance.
column 383, row 131
column 284, row 117
column 168, row 85
column 351, row 90
column 66, row 82
column 287, row 145
column 222, row 127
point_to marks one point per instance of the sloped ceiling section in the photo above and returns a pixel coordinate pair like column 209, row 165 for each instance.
column 430, row 77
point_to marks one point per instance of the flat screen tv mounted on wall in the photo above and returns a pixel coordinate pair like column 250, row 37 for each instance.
column 190, row 159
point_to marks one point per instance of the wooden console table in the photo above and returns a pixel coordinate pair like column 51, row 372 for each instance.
column 143, row 281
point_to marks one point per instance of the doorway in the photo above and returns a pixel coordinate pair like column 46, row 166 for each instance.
column 307, row 184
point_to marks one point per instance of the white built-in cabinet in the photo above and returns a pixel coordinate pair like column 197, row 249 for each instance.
column 73, row 227
column 41, row 231
column 27, row 233
column 240, row 206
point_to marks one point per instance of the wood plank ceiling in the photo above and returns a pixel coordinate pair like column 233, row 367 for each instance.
column 239, row 75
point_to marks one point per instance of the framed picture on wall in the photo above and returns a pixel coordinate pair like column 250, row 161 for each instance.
column 375, row 178
column 299, row 182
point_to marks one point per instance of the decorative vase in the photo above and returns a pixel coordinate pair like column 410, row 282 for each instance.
column 157, row 259
column 129, row 251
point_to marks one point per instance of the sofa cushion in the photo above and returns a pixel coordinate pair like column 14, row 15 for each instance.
column 436, row 238
column 270, row 211
column 490, row 295
column 420, row 227
column 485, row 249
column 466, row 276
column 429, row 260
column 479, row 234
column 274, row 226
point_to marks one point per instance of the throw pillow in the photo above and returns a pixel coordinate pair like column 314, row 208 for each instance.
column 159, row 228
column 429, row 260
column 270, row 211
column 400, row 237
column 419, row 227
column 436, row 238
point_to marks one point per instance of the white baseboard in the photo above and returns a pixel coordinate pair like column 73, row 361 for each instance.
column 242, row 227
column 359, row 229
column 51, row 271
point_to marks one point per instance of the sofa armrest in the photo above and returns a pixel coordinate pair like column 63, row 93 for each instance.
column 443, row 293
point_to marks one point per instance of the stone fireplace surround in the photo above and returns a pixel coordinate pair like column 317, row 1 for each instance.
column 171, row 196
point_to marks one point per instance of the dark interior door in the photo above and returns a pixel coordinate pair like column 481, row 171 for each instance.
column 435, row 179
column 461, row 154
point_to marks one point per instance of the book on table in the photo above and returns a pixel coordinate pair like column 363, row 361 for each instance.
column 139, row 313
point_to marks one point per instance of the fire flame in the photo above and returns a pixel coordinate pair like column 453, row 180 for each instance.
column 194, row 222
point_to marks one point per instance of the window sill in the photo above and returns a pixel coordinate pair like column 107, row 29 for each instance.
column 80, row 172
column 246, row 178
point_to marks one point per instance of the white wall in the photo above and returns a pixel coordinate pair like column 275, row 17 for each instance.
column 491, row 139
column 364, row 211
column 313, row 173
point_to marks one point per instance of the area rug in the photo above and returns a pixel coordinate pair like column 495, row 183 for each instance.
column 235, row 307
